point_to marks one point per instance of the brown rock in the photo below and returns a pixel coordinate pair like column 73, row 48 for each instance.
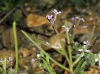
column 8, row 38
column 2, row 28
column 55, row 43
column 23, row 62
column 96, row 47
column 25, row 52
column 34, row 20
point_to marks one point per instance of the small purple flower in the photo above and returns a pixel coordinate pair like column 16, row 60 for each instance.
column 52, row 18
column 56, row 12
column 49, row 17
column 73, row 18
column 77, row 19
column 85, row 42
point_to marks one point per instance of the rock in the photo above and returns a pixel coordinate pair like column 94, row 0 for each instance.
column 25, row 52
column 23, row 62
column 41, row 72
column 96, row 47
column 55, row 43
column 8, row 38
column 34, row 20
column 2, row 29
column 93, row 70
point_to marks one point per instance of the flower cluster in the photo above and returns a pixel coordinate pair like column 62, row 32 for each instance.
column 50, row 17
column 67, row 29
column 33, row 60
column 56, row 12
column 78, row 19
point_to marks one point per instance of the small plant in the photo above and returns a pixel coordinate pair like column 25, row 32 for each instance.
column 45, row 64
column 3, row 69
column 78, row 62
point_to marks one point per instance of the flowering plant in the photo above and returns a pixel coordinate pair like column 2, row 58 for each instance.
column 77, row 62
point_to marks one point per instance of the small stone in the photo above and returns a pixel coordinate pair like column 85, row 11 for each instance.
column 25, row 52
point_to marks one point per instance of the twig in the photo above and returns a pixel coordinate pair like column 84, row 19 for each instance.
column 7, row 15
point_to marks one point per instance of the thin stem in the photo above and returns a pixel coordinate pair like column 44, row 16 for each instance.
column 64, row 52
column 7, row 15
column 16, row 46
column 48, row 67
column 69, row 50
column 75, row 27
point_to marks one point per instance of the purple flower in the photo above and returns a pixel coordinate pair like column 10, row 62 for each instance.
column 85, row 42
column 73, row 18
column 77, row 19
column 52, row 18
column 56, row 12
column 49, row 17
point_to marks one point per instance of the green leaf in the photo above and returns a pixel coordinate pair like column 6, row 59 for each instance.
column 42, row 55
column 78, row 67
column 47, row 59
column 82, row 72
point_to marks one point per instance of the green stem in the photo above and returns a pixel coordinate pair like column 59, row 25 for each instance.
column 16, row 45
column 63, row 50
column 69, row 50
column 44, row 52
